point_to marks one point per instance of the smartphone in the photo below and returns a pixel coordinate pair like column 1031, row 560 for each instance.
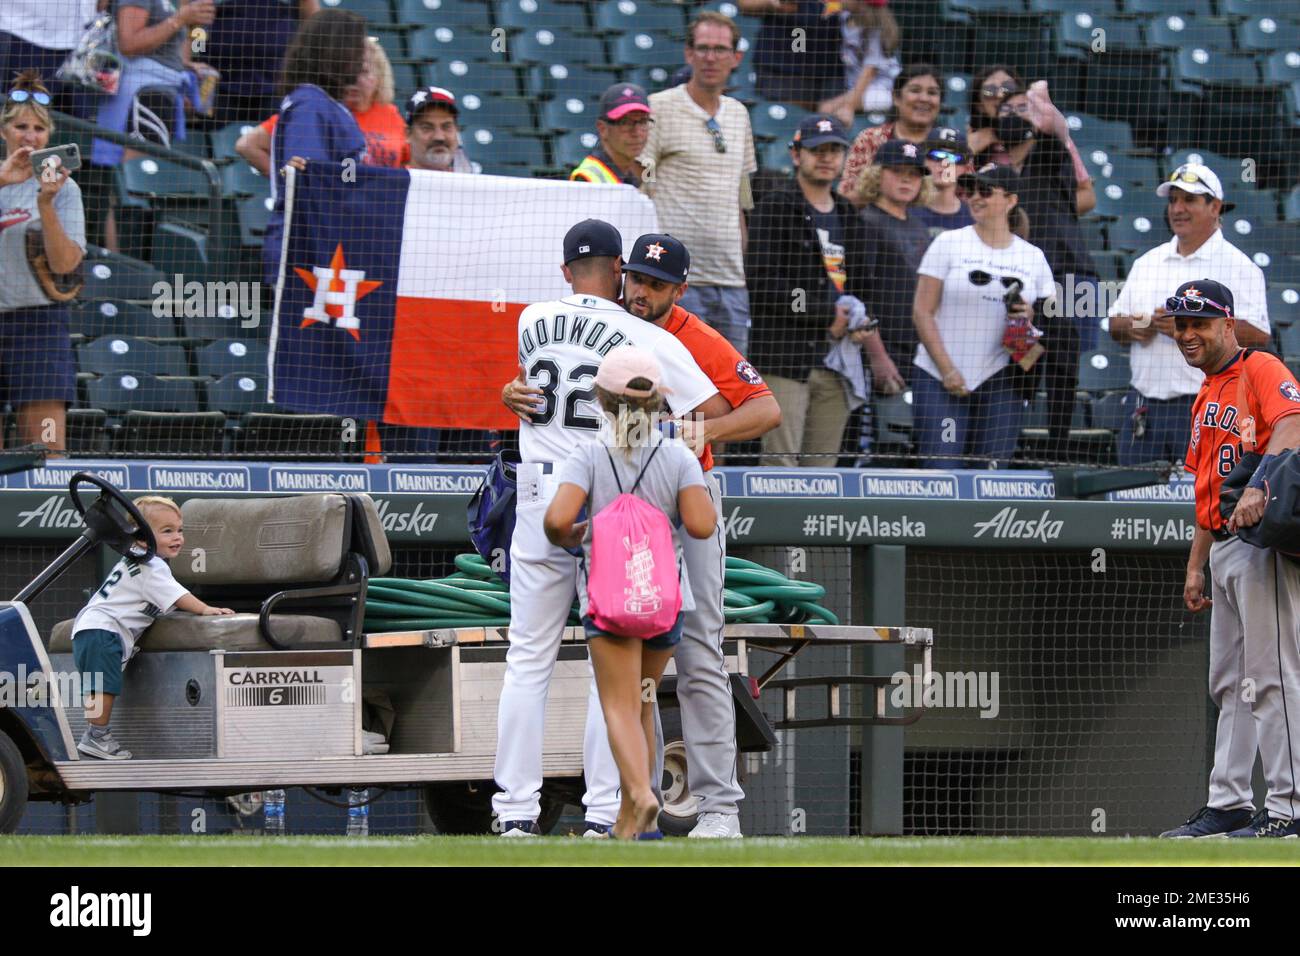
column 68, row 156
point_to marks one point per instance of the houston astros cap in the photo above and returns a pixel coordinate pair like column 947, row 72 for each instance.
column 899, row 152
column 592, row 237
column 661, row 256
column 1003, row 177
column 626, row 364
column 818, row 129
column 430, row 96
column 1197, row 179
column 1201, row 299
column 621, row 99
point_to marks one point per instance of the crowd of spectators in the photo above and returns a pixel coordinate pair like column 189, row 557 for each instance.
column 915, row 258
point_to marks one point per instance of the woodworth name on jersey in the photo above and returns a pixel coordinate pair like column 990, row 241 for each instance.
column 570, row 327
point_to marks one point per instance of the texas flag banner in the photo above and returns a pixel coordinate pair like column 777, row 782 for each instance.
column 399, row 290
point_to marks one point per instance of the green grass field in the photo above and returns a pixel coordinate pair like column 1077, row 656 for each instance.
column 571, row 851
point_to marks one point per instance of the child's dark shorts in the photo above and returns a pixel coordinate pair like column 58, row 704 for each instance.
column 660, row 642
column 98, row 656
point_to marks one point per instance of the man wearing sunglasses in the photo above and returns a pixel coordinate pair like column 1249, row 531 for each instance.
column 698, row 159
column 1255, row 599
column 1159, row 403
column 623, row 126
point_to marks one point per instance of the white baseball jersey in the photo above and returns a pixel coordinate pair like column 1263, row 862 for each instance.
column 561, row 344
column 133, row 595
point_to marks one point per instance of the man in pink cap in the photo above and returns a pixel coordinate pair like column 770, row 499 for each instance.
column 623, row 127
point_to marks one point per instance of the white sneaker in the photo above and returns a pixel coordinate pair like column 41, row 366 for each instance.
column 717, row 826
column 103, row 748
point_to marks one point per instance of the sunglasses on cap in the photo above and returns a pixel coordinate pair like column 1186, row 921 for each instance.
column 22, row 96
column 946, row 156
column 1185, row 176
column 980, row 277
column 712, row 126
column 993, row 92
column 1192, row 303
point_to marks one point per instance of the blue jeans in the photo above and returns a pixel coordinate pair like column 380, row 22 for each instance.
column 1168, row 429
column 722, row 307
column 984, row 424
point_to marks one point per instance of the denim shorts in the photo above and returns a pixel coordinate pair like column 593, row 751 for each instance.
column 98, row 654
column 660, row 642
column 38, row 365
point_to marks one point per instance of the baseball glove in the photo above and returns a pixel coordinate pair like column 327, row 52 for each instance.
column 58, row 287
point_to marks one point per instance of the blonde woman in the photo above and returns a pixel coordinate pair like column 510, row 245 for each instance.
column 37, row 374
column 370, row 99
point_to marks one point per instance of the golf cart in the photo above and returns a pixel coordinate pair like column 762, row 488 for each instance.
column 278, row 694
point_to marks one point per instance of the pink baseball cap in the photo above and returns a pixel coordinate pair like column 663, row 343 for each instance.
column 626, row 363
column 621, row 99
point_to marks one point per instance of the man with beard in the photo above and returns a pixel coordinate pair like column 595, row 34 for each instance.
column 433, row 132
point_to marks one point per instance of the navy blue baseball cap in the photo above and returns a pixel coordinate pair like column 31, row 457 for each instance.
column 818, row 129
column 660, row 256
column 1201, row 299
column 992, row 174
column 949, row 143
column 592, row 237
column 900, row 152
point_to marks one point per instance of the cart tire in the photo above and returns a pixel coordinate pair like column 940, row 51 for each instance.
column 464, row 808
column 13, row 784
column 680, row 809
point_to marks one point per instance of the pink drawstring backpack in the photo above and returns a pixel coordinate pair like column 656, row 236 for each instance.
column 632, row 585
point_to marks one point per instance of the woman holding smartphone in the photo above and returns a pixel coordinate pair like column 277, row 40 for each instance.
column 37, row 373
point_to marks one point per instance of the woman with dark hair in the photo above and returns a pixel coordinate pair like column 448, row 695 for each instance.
column 1022, row 128
column 918, row 92
column 326, row 57
column 42, row 243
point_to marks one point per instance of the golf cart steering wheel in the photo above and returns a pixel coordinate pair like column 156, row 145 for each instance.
column 112, row 519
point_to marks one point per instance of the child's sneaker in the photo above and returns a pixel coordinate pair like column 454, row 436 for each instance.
column 104, row 747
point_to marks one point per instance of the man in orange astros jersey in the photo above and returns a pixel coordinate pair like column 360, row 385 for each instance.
column 654, row 280
column 1254, row 622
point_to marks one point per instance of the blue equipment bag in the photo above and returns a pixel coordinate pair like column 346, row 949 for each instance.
column 491, row 513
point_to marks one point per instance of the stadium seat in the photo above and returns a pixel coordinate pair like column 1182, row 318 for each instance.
column 227, row 322
column 1093, row 131
column 1111, row 164
column 253, row 213
column 626, row 16
column 1094, row 7
column 494, row 112
column 744, row 83
column 1115, row 199
column 567, row 113
column 776, row 157
column 95, row 319
column 1077, row 30
column 1285, row 9
column 444, row 42
column 230, row 355
column 893, row 419
column 1180, row 32
column 240, row 179
column 239, row 393
column 406, row 80
column 376, row 12
column 956, row 93
column 986, row 7
column 1206, row 67
column 644, row 48
column 160, row 179
column 494, row 149
column 1291, row 209
column 1137, row 233
column 224, row 139
column 496, row 78
column 1094, row 233
column 520, row 16
column 1110, row 410
column 572, row 148
column 543, row 81
column 652, row 79
column 1198, row 8
column 125, row 353
column 544, row 45
column 1266, row 33
column 1283, row 304
column 124, row 391
column 1222, row 165
column 1288, row 340
column 189, row 250
column 118, row 277
column 1253, row 208
column 280, row 436
column 459, row 14
column 1276, row 265
column 168, row 434
column 1282, row 67
column 1102, row 372
column 776, row 121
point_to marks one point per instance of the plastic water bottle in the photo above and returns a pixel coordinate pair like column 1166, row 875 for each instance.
column 358, row 812
column 273, row 812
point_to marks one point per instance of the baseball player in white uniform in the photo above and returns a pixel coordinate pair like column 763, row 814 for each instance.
column 561, row 344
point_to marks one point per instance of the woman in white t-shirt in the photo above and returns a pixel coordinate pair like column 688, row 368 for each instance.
column 967, row 401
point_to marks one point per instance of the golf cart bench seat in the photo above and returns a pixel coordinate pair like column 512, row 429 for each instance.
column 311, row 553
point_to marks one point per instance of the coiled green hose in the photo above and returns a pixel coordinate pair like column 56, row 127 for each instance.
column 475, row 596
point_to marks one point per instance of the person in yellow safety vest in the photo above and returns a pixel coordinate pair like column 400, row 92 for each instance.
column 623, row 125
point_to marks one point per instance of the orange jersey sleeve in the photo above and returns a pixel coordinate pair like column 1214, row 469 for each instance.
column 1273, row 394
column 736, row 380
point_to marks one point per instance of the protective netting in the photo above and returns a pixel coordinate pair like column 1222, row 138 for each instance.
column 399, row 293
